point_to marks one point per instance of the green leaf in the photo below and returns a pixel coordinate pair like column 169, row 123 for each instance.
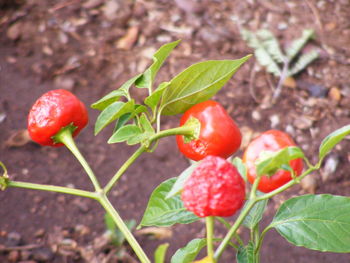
column 299, row 43
column 166, row 212
column 241, row 167
column 198, row 83
column 188, row 253
column 153, row 100
column 271, row 45
column 146, row 125
column 125, row 133
column 318, row 222
column 181, row 179
column 122, row 121
column 159, row 255
column 111, row 113
column 262, row 55
column 303, row 62
column 255, row 214
column 333, row 139
column 147, row 78
column 246, row 254
column 108, row 100
column 269, row 162
column 115, row 95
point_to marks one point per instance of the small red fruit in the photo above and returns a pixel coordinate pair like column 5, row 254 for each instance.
column 51, row 112
column 272, row 140
column 215, row 188
column 219, row 134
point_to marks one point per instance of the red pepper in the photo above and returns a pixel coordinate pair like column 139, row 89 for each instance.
column 219, row 134
column 215, row 188
column 273, row 141
column 53, row 111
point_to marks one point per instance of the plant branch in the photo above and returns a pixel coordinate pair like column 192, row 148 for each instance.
column 123, row 228
column 183, row 130
column 52, row 188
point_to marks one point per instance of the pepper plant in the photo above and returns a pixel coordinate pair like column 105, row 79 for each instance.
column 212, row 187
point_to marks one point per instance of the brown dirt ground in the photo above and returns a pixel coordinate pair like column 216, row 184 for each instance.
column 92, row 46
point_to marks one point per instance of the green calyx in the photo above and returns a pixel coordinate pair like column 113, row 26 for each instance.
column 58, row 137
column 195, row 125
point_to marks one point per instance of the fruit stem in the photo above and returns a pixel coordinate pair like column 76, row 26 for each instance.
column 210, row 220
column 65, row 136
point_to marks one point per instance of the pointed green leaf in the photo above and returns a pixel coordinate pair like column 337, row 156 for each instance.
column 181, row 179
column 153, row 100
column 246, row 254
column 318, row 222
column 146, row 81
column 166, row 212
column 255, row 214
column 299, row 43
column 198, row 83
column 115, row 95
column 269, row 162
column 146, row 125
column 125, row 133
column 108, row 100
column 188, row 253
column 159, row 254
column 262, row 55
column 111, row 113
column 332, row 140
column 241, row 167
column 122, row 121
column 303, row 62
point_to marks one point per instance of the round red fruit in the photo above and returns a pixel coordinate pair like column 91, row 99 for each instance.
column 51, row 112
column 219, row 134
column 215, row 188
column 273, row 141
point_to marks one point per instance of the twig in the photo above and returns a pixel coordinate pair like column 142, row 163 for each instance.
column 283, row 77
column 20, row 248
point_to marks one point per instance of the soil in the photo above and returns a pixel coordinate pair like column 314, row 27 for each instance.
column 91, row 47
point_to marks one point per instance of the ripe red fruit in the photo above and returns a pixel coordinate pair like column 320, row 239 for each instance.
column 215, row 188
column 272, row 140
column 219, row 134
column 51, row 112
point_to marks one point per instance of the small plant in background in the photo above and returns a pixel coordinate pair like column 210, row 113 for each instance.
column 211, row 187
column 281, row 64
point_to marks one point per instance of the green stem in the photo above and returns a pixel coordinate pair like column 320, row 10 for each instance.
column 123, row 228
column 183, row 130
column 65, row 137
column 52, row 188
column 259, row 243
column 123, row 168
column 233, row 229
column 286, row 186
column 228, row 226
column 210, row 234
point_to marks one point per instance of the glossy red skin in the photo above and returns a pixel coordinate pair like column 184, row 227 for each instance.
column 272, row 140
column 219, row 134
column 51, row 112
column 215, row 188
